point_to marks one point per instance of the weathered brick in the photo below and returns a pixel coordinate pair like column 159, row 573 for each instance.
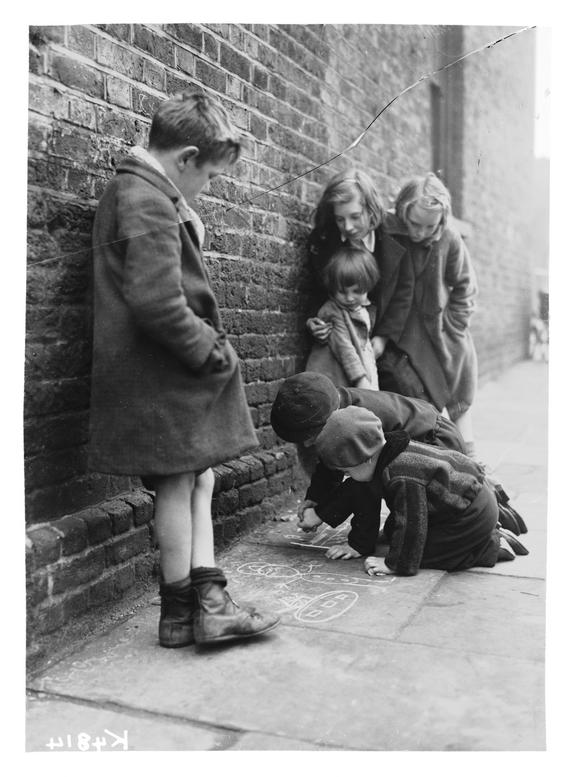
column 210, row 76
column 252, row 493
column 73, row 572
column 142, row 505
column 279, row 483
column 120, row 59
column 268, row 461
column 46, row 544
column 241, row 471
column 121, row 515
column 66, row 431
column 185, row 61
column 118, row 92
column 48, row 617
column 189, row 34
column 40, row 35
column 73, row 534
column 226, row 502
column 75, row 603
column 255, row 465
column 77, row 75
column 120, row 31
column 36, row 588
column 175, row 84
column 98, row 524
column 123, row 548
column 82, row 40
column 160, row 48
column 224, row 478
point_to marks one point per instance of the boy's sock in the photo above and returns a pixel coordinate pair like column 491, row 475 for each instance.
column 176, row 627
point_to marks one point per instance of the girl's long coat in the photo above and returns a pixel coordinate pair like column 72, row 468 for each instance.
column 436, row 333
column 157, row 408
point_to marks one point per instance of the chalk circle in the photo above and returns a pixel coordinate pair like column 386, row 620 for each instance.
column 327, row 606
column 268, row 570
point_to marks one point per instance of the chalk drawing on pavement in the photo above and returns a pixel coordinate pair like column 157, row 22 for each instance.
column 290, row 574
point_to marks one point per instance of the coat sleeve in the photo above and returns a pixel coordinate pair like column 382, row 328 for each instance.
column 152, row 277
column 407, row 501
column 323, row 483
column 461, row 279
column 341, row 345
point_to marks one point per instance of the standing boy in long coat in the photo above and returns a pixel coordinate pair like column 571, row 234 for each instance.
column 167, row 395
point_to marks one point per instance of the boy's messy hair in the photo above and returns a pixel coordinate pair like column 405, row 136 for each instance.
column 191, row 119
column 343, row 187
column 429, row 193
column 351, row 265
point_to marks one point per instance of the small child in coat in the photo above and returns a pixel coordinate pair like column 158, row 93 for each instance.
column 445, row 514
column 167, row 398
column 348, row 358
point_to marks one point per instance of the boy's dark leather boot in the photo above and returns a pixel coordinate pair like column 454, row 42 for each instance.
column 217, row 617
column 176, row 627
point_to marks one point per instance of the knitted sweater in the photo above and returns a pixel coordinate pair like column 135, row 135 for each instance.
column 426, row 488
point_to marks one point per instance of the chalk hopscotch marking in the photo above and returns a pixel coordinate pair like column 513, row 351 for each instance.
column 311, row 609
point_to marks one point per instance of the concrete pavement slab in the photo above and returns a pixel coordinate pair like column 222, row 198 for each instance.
column 342, row 690
column 531, row 566
column 58, row 726
column 492, row 615
column 263, row 742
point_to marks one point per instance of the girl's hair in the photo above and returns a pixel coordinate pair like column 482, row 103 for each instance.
column 429, row 193
column 351, row 265
column 343, row 187
column 190, row 119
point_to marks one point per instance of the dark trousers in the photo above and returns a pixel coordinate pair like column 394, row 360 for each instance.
column 468, row 539
column 396, row 373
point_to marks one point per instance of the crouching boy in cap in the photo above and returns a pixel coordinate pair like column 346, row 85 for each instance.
column 302, row 406
column 445, row 514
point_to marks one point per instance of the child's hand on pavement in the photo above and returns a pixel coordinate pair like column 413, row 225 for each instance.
column 308, row 520
column 343, row 551
column 376, row 566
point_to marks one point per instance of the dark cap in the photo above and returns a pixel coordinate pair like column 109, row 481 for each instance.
column 302, row 406
column 350, row 437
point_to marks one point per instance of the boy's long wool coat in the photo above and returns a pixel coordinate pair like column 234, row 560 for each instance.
column 156, row 409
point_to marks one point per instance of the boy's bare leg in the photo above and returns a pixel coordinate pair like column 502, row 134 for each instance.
column 466, row 429
column 202, row 532
column 174, row 525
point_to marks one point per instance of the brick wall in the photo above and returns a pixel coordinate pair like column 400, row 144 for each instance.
column 497, row 191
column 299, row 94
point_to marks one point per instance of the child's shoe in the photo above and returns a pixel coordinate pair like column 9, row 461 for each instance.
column 176, row 627
column 217, row 617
